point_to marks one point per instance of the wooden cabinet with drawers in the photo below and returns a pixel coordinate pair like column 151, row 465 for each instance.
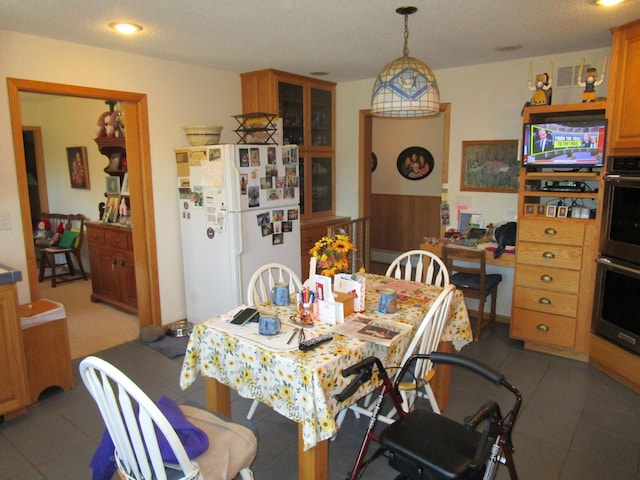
column 555, row 259
column 112, row 266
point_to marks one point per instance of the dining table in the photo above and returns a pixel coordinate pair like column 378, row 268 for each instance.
column 301, row 385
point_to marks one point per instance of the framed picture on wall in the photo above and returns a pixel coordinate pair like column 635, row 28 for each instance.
column 78, row 167
column 415, row 163
column 490, row 166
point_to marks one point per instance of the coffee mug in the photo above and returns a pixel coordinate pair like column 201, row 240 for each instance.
column 388, row 301
column 268, row 325
column 280, row 294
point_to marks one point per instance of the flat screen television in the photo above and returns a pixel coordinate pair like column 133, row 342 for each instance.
column 569, row 144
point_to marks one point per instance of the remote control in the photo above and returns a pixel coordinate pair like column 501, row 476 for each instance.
column 312, row 343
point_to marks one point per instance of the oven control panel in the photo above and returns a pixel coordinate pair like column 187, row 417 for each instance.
column 624, row 165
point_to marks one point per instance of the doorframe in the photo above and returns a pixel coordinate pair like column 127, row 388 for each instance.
column 140, row 184
column 364, row 166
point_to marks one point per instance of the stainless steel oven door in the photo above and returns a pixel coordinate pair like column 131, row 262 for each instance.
column 620, row 234
column 616, row 314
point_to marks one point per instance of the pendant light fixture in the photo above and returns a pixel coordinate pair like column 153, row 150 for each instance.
column 406, row 87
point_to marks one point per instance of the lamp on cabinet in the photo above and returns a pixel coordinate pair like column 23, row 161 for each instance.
column 406, row 87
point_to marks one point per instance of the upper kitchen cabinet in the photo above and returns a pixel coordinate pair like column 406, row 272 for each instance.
column 307, row 109
column 624, row 95
column 306, row 106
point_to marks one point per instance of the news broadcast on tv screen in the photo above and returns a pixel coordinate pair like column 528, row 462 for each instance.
column 570, row 144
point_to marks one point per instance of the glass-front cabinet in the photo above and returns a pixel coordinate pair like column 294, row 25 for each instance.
column 321, row 117
column 317, row 198
column 307, row 109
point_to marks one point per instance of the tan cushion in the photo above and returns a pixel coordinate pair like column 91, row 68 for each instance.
column 232, row 447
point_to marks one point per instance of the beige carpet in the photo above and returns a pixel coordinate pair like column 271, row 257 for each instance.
column 92, row 326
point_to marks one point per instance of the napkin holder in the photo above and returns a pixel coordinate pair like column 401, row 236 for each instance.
column 354, row 285
column 332, row 306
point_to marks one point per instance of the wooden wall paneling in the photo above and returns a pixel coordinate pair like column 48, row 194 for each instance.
column 400, row 222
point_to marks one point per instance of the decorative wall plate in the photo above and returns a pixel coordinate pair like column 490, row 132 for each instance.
column 415, row 163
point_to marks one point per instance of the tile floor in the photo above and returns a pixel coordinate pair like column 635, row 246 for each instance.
column 576, row 422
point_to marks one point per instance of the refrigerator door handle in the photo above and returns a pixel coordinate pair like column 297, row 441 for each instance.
column 236, row 229
column 235, row 219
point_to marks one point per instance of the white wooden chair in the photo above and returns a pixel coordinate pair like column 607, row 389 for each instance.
column 425, row 340
column 259, row 292
column 263, row 280
column 419, row 266
column 133, row 421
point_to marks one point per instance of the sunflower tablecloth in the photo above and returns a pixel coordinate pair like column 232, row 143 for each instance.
column 302, row 385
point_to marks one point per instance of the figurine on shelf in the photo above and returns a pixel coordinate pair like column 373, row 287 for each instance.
column 591, row 81
column 111, row 123
column 542, row 87
column 123, row 210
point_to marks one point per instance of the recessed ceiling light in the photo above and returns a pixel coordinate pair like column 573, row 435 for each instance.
column 319, row 74
column 608, row 3
column 125, row 28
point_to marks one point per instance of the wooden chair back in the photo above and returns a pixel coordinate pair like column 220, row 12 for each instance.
column 420, row 266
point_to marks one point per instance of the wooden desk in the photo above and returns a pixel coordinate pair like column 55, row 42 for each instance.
column 302, row 386
column 504, row 260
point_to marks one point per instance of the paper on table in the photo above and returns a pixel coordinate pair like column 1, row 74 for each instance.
column 249, row 331
column 383, row 332
column 400, row 285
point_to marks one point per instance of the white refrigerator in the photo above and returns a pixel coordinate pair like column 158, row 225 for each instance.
column 239, row 209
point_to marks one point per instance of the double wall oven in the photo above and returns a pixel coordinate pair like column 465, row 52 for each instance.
column 617, row 303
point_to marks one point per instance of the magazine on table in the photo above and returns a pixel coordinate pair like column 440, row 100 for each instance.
column 377, row 330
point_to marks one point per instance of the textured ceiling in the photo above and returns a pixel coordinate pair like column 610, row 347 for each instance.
column 351, row 39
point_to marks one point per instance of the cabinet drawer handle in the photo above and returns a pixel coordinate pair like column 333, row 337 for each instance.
column 550, row 231
column 549, row 255
column 546, row 278
column 542, row 328
column 544, row 301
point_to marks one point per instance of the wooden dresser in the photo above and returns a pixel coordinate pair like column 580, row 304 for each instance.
column 112, row 266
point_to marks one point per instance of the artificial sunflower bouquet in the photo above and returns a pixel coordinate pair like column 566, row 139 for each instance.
column 332, row 254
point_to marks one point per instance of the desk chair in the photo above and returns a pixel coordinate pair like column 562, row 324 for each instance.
column 69, row 245
column 134, row 421
column 429, row 268
column 425, row 340
column 259, row 292
column 468, row 273
column 358, row 231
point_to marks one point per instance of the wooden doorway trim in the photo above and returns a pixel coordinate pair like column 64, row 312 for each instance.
column 139, row 164
column 364, row 168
